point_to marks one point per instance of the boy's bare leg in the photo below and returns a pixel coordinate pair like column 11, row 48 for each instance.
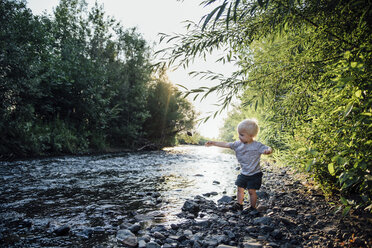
column 252, row 197
column 240, row 195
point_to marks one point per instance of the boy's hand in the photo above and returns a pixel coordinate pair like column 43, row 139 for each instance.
column 218, row 144
column 209, row 143
column 268, row 151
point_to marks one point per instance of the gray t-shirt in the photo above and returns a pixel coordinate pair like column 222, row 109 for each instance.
column 248, row 156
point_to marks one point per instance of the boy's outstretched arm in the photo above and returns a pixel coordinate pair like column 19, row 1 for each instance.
column 217, row 143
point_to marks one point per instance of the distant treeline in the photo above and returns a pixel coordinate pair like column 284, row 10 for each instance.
column 78, row 81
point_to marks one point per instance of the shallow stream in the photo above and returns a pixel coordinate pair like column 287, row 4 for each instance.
column 94, row 195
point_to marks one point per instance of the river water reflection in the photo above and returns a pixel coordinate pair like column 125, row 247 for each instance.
column 102, row 191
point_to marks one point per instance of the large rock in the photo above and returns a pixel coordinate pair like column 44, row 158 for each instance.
column 141, row 243
column 251, row 243
column 225, row 199
column 127, row 238
column 159, row 235
column 191, row 207
column 290, row 211
column 262, row 220
column 152, row 244
column 135, row 228
column 62, row 231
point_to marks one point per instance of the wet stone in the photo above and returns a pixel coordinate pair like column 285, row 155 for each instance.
column 156, row 194
column 135, row 228
column 220, row 238
column 159, row 235
column 152, row 244
column 127, row 238
column 141, row 243
column 330, row 230
column 290, row 211
column 266, row 229
column 190, row 216
column 191, row 206
column 10, row 238
column 187, row 233
column 86, row 233
column 210, row 242
column 174, row 226
column 276, row 234
column 272, row 244
column 146, row 238
column 62, row 231
column 98, row 230
column 158, row 228
column 287, row 221
column 225, row 199
column 167, row 246
column 251, row 243
column 262, row 208
column 225, row 246
column 262, row 220
column 230, row 234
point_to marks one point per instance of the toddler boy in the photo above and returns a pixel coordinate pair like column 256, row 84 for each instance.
column 248, row 152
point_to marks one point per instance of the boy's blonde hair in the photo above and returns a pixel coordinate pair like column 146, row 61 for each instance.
column 249, row 126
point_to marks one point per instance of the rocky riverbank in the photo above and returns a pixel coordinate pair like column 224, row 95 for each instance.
column 99, row 202
column 290, row 214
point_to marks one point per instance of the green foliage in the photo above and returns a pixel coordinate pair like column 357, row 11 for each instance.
column 305, row 73
column 170, row 113
column 74, row 81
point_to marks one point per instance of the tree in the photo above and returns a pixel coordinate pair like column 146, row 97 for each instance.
column 23, row 56
column 74, row 82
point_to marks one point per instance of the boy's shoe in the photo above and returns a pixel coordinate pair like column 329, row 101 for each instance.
column 251, row 211
column 236, row 207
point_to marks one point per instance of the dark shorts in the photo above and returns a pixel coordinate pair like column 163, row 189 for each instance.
column 249, row 182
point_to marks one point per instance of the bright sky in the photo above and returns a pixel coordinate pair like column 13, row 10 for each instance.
column 162, row 16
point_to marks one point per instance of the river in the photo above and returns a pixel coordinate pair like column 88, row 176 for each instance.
column 94, row 195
